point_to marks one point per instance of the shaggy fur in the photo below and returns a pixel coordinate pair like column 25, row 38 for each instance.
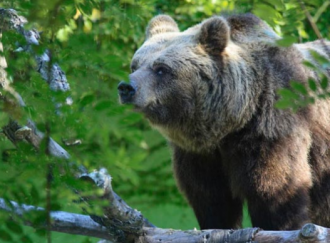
column 211, row 90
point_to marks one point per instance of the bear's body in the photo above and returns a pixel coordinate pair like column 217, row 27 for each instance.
column 211, row 91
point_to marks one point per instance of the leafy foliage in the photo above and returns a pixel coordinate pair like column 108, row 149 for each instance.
column 93, row 41
column 300, row 95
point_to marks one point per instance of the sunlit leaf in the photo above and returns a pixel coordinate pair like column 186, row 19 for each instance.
column 287, row 41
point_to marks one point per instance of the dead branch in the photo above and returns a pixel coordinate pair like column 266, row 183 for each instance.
column 10, row 20
column 83, row 225
column 54, row 75
column 61, row 221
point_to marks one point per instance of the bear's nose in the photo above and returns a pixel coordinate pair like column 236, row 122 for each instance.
column 126, row 92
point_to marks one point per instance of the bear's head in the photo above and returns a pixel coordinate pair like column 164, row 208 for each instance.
column 194, row 86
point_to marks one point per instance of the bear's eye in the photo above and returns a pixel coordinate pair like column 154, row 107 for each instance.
column 133, row 68
column 161, row 70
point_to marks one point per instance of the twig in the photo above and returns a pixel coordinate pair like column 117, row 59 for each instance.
column 314, row 27
column 320, row 11
column 310, row 20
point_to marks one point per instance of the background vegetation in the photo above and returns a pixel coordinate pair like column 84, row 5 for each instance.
column 93, row 41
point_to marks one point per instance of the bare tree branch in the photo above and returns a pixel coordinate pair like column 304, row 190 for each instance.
column 61, row 221
column 15, row 133
column 83, row 225
column 320, row 11
column 10, row 20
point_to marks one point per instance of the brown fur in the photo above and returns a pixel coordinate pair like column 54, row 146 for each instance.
column 211, row 90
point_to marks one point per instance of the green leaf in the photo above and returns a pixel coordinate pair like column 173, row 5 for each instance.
column 322, row 96
column 26, row 239
column 311, row 100
column 319, row 58
column 87, row 99
column 324, row 82
column 309, row 64
column 34, row 195
column 4, row 235
column 86, row 7
column 38, row 218
column 299, row 87
column 312, row 84
column 265, row 12
column 104, row 105
column 87, row 241
column 283, row 104
column 41, row 232
column 14, row 227
column 278, row 4
column 286, row 41
column 288, row 94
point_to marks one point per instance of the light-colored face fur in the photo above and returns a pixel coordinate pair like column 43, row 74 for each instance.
column 194, row 85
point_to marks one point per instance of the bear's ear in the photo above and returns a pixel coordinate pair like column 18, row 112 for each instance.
column 161, row 24
column 214, row 35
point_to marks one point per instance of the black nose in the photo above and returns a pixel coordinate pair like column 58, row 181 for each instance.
column 126, row 92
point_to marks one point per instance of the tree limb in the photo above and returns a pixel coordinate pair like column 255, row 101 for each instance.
column 83, row 225
column 10, row 20
column 61, row 221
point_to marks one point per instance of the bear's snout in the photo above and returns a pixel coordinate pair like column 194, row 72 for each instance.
column 126, row 92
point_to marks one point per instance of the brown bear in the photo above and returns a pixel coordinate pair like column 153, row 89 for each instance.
column 211, row 90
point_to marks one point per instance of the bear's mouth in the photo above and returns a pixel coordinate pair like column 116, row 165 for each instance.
column 153, row 112
column 153, row 106
column 137, row 108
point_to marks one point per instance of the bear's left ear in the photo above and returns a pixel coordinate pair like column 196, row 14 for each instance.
column 214, row 35
column 161, row 24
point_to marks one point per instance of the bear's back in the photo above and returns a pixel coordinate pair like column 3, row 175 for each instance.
column 246, row 28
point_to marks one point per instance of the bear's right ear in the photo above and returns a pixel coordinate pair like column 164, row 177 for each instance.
column 214, row 35
column 161, row 24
